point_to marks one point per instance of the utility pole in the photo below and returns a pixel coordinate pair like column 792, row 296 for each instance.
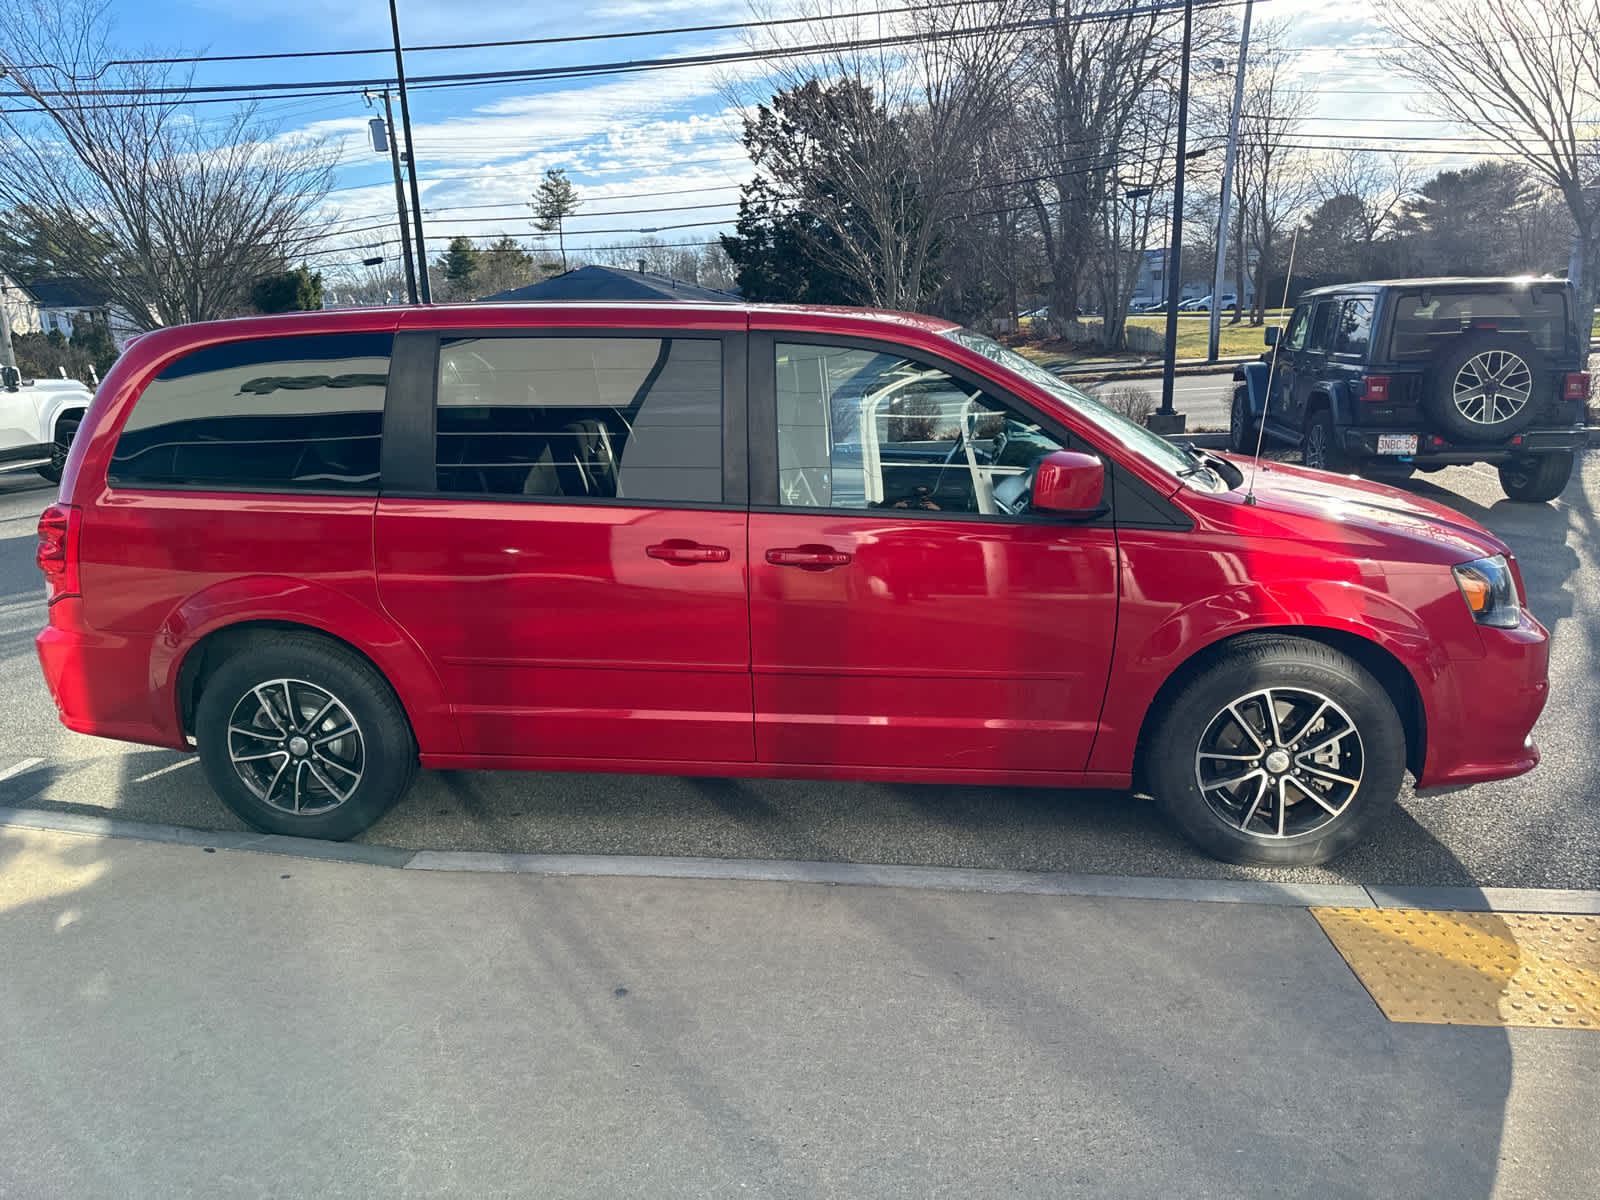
column 411, row 158
column 399, row 192
column 1215, row 339
column 1166, row 419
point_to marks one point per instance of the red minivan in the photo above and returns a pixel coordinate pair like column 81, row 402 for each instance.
column 326, row 548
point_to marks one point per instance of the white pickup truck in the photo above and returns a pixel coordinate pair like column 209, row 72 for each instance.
column 37, row 420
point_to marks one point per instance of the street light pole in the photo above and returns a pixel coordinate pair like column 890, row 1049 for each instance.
column 1214, row 340
column 411, row 158
column 1167, row 419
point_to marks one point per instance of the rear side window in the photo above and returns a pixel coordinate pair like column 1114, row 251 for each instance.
column 300, row 414
column 1322, row 325
column 1354, row 330
column 581, row 418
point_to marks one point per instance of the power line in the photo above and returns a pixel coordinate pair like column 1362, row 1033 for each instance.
column 625, row 66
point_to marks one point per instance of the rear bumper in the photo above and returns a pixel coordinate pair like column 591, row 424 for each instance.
column 101, row 682
column 1363, row 442
column 1481, row 712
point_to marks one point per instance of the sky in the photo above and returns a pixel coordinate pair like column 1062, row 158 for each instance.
column 655, row 151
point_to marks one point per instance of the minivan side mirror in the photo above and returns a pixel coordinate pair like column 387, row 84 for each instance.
column 1069, row 484
column 10, row 378
column 1271, row 334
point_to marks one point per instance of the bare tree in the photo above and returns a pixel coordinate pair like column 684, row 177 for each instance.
column 1092, row 75
column 1526, row 74
column 872, row 142
column 171, row 216
column 1273, row 182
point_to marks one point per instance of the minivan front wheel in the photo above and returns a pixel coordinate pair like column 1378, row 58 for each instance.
column 1284, row 752
column 300, row 736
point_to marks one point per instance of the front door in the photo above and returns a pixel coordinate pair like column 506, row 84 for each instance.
column 905, row 611
column 576, row 570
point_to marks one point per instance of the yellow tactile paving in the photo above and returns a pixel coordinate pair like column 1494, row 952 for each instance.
column 1453, row 968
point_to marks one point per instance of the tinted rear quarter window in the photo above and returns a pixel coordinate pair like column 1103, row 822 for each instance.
column 1354, row 329
column 297, row 414
column 581, row 418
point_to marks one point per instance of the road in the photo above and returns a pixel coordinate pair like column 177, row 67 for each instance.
column 1204, row 399
column 1542, row 830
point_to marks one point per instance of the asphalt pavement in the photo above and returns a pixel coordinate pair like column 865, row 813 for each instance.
column 181, row 1023
column 1542, row 830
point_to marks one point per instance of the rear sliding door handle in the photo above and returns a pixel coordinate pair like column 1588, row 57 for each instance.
column 679, row 551
column 815, row 557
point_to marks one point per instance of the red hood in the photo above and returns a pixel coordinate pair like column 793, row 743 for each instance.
column 1360, row 511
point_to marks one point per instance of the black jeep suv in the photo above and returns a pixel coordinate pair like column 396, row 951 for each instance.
column 1387, row 377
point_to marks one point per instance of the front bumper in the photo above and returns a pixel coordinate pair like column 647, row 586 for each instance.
column 1435, row 450
column 1481, row 712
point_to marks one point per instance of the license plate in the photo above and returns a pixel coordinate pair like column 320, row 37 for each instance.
column 1397, row 443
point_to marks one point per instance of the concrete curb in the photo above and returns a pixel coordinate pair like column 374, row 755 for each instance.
column 943, row 879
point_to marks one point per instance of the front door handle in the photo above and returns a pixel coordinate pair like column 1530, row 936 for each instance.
column 686, row 553
column 816, row 558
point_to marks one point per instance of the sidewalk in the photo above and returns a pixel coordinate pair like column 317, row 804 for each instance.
column 175, row 1021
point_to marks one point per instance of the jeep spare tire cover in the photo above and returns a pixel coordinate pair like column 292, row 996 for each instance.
column 1486, row 386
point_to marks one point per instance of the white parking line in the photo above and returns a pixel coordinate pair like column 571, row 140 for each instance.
column 169, row 767
column 18, row 768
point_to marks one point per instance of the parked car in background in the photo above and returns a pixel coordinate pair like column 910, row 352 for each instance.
column 327, row 548
column 1389, row 377
column 38, row 419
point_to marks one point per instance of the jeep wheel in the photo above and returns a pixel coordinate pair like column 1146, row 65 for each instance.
column 1538, row 477
column 1242, row 434
column 1319, row 448
column 1486, row 386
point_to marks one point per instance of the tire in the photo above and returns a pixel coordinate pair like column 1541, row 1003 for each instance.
column 1318, row 694
column 1241, row 431
column 1538, row 477
column 1319, row 448
column 66, row 430
column 1456, row 396
column 341, row 785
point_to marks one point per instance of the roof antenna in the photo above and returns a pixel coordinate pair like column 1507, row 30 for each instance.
column 1261, row 432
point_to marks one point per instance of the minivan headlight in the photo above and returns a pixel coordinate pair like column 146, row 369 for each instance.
column 1491, row 594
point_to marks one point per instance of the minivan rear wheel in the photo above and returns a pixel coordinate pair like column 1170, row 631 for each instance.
column 300, row 736
column 1283, row 752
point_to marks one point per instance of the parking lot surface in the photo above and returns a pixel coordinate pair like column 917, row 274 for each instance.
column 1542, row 830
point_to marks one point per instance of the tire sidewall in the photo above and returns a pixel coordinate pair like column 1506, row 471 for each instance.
column 1321, row 420
column 389, row 751
column 1383, row 747
column 1238, row 423
column 1440, row 396
column 1539, row 478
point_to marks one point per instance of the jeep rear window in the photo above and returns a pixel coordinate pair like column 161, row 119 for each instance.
column 1425, row 319
column 295, row 414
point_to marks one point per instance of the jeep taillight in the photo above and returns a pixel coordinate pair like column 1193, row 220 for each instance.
column 1576, row 387
column 57, row 555
column 1377, row 389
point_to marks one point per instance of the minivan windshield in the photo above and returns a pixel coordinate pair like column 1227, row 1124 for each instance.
column 1150, row 446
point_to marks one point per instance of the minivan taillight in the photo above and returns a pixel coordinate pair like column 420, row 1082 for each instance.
column 57, row 555
column 1377, row 389
column 1577, row 386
